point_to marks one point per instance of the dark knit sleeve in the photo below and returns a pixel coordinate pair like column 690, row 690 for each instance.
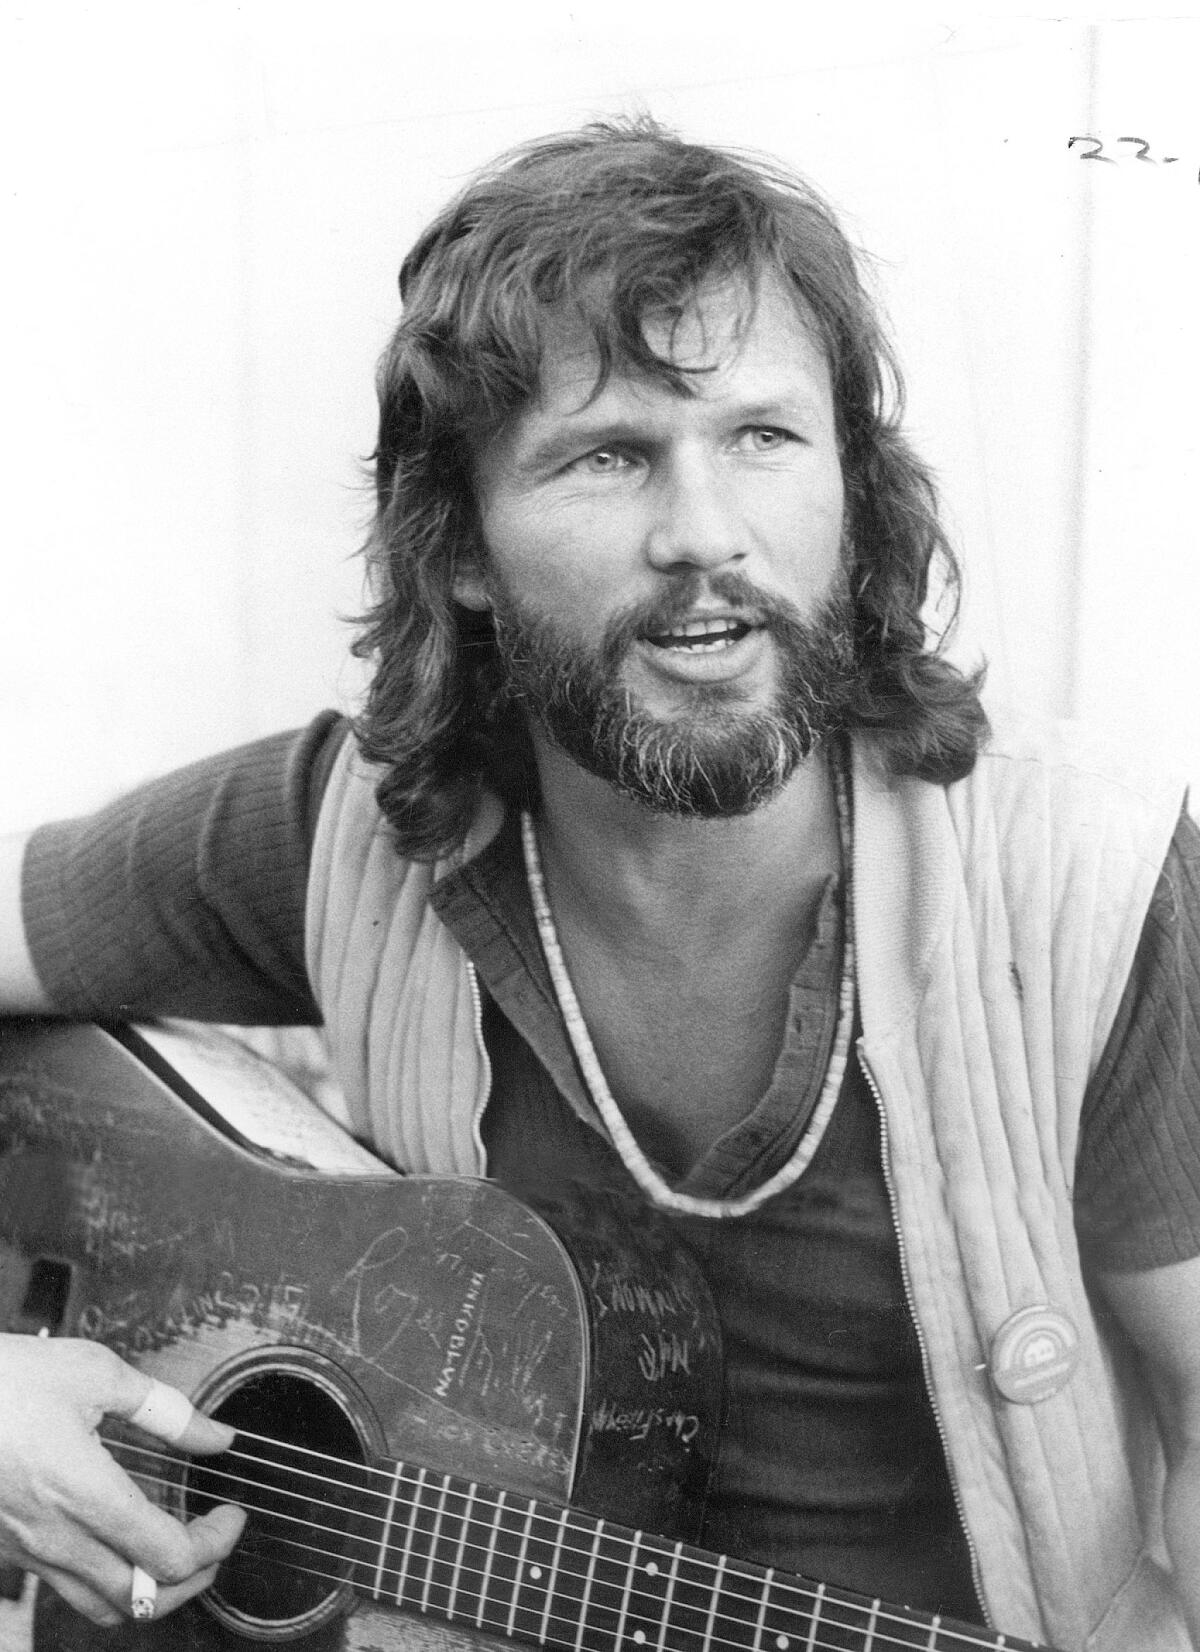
column 1137, row 1191
column 186, row 897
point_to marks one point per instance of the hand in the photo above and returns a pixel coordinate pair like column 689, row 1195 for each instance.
column 67, row 1510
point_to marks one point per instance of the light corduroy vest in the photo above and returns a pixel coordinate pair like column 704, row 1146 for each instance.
column 996, row 923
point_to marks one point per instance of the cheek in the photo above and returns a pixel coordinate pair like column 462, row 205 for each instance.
column 554, row 557
column 805, row 527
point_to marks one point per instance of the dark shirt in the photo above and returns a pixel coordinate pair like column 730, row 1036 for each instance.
column 831, row 1463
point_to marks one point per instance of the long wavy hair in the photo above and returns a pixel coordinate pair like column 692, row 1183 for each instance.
column 608, row 225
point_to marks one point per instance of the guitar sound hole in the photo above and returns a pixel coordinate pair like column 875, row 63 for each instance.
column 297, row 1466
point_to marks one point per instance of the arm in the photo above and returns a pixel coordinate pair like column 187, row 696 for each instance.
column 152, row 896
column 21, row 993
column 67, row 1511
column 1160, row 1312
column 185, row 896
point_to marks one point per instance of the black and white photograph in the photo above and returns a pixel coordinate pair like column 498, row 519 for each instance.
column 599, row 877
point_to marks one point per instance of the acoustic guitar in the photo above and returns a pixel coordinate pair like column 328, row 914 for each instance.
column 459, row 1424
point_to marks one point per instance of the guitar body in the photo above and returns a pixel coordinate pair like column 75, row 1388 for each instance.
column 370, row 1318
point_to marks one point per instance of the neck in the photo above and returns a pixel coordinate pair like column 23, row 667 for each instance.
column 620, row 866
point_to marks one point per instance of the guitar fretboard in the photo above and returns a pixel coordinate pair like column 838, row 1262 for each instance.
column 550, row 1576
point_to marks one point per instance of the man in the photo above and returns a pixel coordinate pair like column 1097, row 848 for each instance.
column 671, row 858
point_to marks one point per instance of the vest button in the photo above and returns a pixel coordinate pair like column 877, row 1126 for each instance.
column 1033, row 1355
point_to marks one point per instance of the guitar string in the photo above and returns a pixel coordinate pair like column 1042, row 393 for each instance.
column 496, row 1616
column 767, row 1639
column 781, row 1587
column 482, row 1621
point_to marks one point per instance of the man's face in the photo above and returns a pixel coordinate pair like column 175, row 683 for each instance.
column 664, row 569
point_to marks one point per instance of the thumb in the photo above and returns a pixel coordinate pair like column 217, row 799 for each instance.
column 169, row 1415
column 214, row 1534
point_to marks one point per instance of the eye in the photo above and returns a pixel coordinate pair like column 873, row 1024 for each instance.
column 765, row 438
column 602, row 461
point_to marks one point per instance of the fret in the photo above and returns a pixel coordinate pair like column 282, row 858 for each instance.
column 446, row 1542
column 460, row 1550
column 871, row 1622
column 434, row 1538
column 668, row 1598
column 738, row 1610
column 811, row 1640
column 470, row 1580
column 503, row 1577
column 647, row 1570
column 589, row 1579
column 520, row 1577
column 552, row 1585
column 430, row 1556
column 377, row 1586
column 718, row 1580
column 524, row 1575
column 762, row 1608
column 623, row 1609
column 610, row 1574
column 419, row 1585
column 689, row 1610
column 410, row 1526
column 808, row 1617
column 556, row 1577
column 490, row 1560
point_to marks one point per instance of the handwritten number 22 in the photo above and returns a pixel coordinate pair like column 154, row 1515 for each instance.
column 1096, row 154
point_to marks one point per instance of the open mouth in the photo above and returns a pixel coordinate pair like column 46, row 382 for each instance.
column 701, row 636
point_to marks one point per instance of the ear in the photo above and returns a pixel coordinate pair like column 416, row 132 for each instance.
column 470, row 588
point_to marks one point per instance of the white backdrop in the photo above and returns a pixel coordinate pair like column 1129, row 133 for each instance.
column 202, row 211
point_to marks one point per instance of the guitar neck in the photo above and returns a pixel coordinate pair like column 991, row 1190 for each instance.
column 509, row 1565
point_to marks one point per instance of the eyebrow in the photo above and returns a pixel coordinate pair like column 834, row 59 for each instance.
column 565, row 439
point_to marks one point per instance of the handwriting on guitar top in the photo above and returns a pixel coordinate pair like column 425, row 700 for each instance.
column 637, row 1421
column 495, row 1444
column 663, row 1355
column 137, row 1323
column 615, row 1294
column 458, row 1335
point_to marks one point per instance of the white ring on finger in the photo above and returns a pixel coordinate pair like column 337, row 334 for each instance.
column 143, row 1595
column 164, row 1411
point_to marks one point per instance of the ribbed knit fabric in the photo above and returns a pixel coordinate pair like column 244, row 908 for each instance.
column 183, row 896
column 997, row 924
column 985, row 1006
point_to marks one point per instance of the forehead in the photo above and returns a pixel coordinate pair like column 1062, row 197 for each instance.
column 727, row 335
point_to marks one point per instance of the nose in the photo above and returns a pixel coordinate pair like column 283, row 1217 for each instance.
column 697, row 522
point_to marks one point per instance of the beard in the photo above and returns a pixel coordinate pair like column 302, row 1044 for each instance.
column 715, row 757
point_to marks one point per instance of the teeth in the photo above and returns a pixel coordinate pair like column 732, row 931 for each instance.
column 704, row 633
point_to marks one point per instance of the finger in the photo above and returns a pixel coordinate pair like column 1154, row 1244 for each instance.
column 173, row 1595
column 212, row 1536
column 167, row 1414
column 118, row 1514
column 215, row 1534
column 78, row 1596
column 99, row 1582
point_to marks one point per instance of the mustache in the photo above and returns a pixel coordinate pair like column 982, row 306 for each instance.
column 669, row 607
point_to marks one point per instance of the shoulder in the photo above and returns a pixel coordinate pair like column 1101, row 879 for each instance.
column 1072, row 771
column 349, row 821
